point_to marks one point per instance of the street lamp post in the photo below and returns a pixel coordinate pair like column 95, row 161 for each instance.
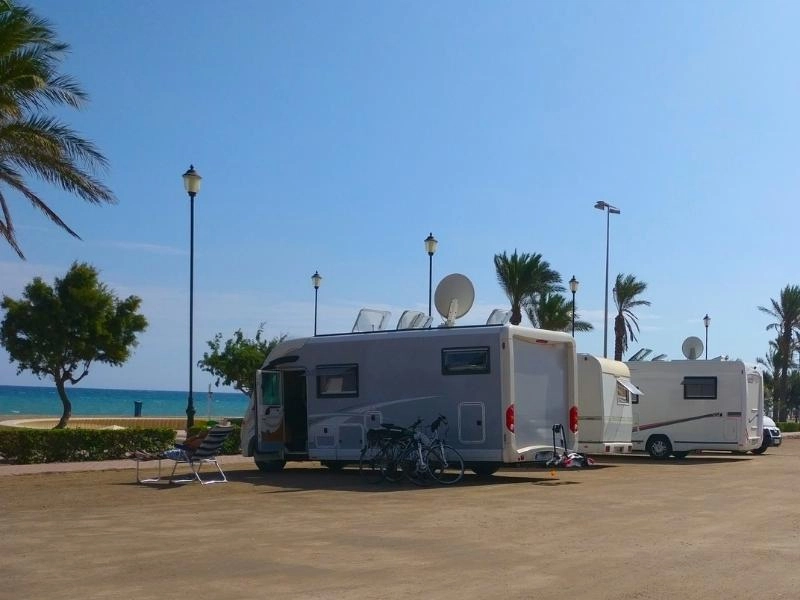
column 605, row 206
column 573, row 287
column 316, row 281
column 430, row 248
column 191, row 182
column 706, row 322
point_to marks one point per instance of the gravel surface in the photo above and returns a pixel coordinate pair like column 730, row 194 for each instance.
column 711, row 526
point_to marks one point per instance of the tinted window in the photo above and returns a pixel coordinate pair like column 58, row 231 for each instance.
column 269, row 389
column 699, row 387
column 465, row 361
column 335, row 381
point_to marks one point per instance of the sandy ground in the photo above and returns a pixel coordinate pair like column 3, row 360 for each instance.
column 711, row 527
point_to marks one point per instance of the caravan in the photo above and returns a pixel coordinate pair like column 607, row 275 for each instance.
column 504, row 389
column 696, row 405
column 605, row 399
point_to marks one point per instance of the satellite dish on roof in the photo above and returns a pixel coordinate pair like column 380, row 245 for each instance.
column 692, row 347
column 454, row 297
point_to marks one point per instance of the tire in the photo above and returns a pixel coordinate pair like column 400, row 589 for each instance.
column 659, row 447
column 763, row 447
column 372, row 464
column 270, row 466
column 485, row 470
column 680, row 454
column 391, row 465
column 413, row 470
column 445, row 464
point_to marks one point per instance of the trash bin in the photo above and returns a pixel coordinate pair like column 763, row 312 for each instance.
column 137, row 408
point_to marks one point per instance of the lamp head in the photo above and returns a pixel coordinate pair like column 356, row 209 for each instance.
column 707, row 320
column 191, row 181
column 430, row 244
column 602, row 205
column 316, row 280
column 573, row 284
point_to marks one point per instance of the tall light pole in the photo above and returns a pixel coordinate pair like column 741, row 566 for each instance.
column 316, row 281
column 191, row 182
column 605, row 206
column 706, row 322
column 573, row 287
column 430, row 248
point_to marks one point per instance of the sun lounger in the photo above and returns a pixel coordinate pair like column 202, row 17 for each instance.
column 206, row 453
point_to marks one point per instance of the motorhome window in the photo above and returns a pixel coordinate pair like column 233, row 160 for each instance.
column 270, row 391
column 337, row 381
column 623, row 395
column 465, row 361
column 698, row 388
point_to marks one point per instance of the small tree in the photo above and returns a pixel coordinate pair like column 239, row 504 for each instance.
column 236, row 363
column 60, row 331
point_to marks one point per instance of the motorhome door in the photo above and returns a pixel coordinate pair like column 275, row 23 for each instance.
column 269, row 411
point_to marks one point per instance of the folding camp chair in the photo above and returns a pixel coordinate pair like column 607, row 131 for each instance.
column 206, row 453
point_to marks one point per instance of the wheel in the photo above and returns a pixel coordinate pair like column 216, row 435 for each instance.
column 659, row 447
column 270, row 466
column 445, row 464
column 413, row 468
column 681, row 454
column 333, row 465
column 391, row 465
column 485, row 470
column 373, row 464
column 763, row 447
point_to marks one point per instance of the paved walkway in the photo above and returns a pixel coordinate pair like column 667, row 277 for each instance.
column 101, row 465
column 111, row 465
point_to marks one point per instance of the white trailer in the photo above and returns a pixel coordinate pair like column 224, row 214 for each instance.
column 605, row 397
column 691, row 405
column 501, row 387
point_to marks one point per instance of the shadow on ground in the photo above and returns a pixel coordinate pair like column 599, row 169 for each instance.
column 691, row 460
column 350, row 479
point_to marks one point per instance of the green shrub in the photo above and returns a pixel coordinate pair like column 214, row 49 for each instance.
column 28, row 446
column 788, row 426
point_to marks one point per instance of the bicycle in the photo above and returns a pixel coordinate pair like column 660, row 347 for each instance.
column 380, row 456
column 445, row 463
column 431, row 458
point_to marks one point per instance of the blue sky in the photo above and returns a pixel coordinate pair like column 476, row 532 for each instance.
column 336, row 135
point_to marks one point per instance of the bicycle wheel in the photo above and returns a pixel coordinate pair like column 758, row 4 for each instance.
column 445, row 464
column 413, row 468
column 391, row 463
column 371, row 465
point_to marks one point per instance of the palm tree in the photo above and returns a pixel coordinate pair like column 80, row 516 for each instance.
column 771, row 361
column 554, row 312
column 626, row 290
column 524, row 276
column 31, row 142
column 787, row 312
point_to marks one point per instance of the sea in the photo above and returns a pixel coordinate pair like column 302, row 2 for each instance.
column 44, row 401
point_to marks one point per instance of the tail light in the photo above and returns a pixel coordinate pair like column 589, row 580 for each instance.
column 573, row 419
column 510, row 418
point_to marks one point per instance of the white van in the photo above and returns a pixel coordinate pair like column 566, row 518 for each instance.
column 771, row 436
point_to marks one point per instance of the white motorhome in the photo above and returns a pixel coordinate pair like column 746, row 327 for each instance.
column 501, row 387
column 691, row 405
column 605, row 397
